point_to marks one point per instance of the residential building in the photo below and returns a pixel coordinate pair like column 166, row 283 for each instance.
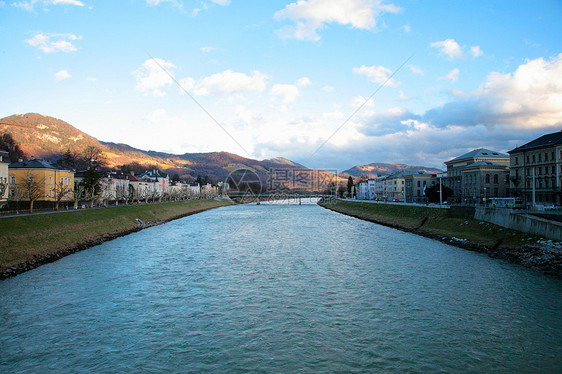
column 52, row 182
column 394, row 187
column 483, row 180
column 139, row 189
column 536, row 170
column 160, row 183
column 366, row 190
column 415, row 185
column 4, row 162
column 380, row 183
column 455, row 167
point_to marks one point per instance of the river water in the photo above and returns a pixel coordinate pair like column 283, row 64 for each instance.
column 284, row 289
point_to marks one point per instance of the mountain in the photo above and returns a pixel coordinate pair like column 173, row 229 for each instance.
column 49, row 138
column 378, row 168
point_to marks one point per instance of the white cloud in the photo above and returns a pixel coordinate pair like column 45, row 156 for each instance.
column 452, row 76
column 221, row 2
column 288, row 93
column 62, row 75
column 449, row 47
column 207, row 49
column 476, row 51
column 228, row 82
column 406, row 28
column 361, row 100
column 50, row 43
column 312, row 15
column 304, row 82
column 377, row 74
column 416, row 70
column 328, row 88
column 151, row 78
column 30, row 4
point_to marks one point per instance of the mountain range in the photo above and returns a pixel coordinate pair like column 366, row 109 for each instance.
column 49, row 138
column 379, row 168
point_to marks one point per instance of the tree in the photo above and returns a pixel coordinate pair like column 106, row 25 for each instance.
column 3, row 187
column 33, row 189
column 78, row 194
column 432, row 193
column 134, row 167
column 8, row 144
column 349, row 185
column 93, row 157
column 175, row 178
column 61, row 191
column 16, row 194
column 69, row 160
column 91, row 183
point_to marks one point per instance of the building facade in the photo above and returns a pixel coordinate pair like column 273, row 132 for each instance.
column 536, row 171
column 415, row 185
column 51, row 183
column 455, row 167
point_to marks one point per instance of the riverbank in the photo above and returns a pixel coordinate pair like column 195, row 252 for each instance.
column 31, row 241
column 514, row 246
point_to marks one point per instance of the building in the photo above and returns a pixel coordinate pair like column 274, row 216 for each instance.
column 455, row 168
column 415, row 185
column 50, row 182
column 160, row 183
column 394, row 187
column 483, row 180
column 536, row 171
column 366, row 190
column 4, row 162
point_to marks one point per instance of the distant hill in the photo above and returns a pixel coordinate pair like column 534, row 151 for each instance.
column 49, row 138
column 378, row 168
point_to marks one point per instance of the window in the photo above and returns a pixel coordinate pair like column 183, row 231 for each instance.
column 418, row 183
column 533, row 158
column 527, row 158
column 50, row 179
column 424, row 183
column 516, row 160
column 540, row 170
column 61, row 180
column 487, row 178
column 495, row 191
column 496, row 179
column 546, row 156
column 553, row 169
column 12, row 193
column 540, row 157
column 12, row 180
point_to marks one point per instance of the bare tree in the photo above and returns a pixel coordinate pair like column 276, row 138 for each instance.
column 3, row 187
column 16, row 194
column 93, row 157
column 91, row 194
column 78, row 194
column 61, row 191
column 33, row 188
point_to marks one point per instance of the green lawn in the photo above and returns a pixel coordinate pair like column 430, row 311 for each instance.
column 435, row 221
column 29, row 236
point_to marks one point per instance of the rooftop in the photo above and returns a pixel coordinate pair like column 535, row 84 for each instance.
column 482, row 164
column 480, row 152
column 34, row 164
column 544, row 141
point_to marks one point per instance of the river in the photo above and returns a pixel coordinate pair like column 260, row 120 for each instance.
column 279, row 288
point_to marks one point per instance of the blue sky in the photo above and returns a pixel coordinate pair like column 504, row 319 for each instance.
column 285, row 78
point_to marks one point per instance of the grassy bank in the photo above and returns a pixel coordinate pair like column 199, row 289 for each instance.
column 464, row 232
column 29, row 241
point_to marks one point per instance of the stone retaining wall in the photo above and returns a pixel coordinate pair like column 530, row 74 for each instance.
column 521, row 222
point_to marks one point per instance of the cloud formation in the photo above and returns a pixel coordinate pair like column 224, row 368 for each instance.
column 30, row 4
column 377, row 74
column 62, row 75
column 312, row 15
column 452, row 76
column 50, row 43
column 227, row 82
column 288, row 93
column 449, row 47
column 151, row 78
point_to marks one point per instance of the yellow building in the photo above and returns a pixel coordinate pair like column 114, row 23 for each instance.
column 50, row 183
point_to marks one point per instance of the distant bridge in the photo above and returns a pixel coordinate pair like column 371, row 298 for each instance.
column 276, row 195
